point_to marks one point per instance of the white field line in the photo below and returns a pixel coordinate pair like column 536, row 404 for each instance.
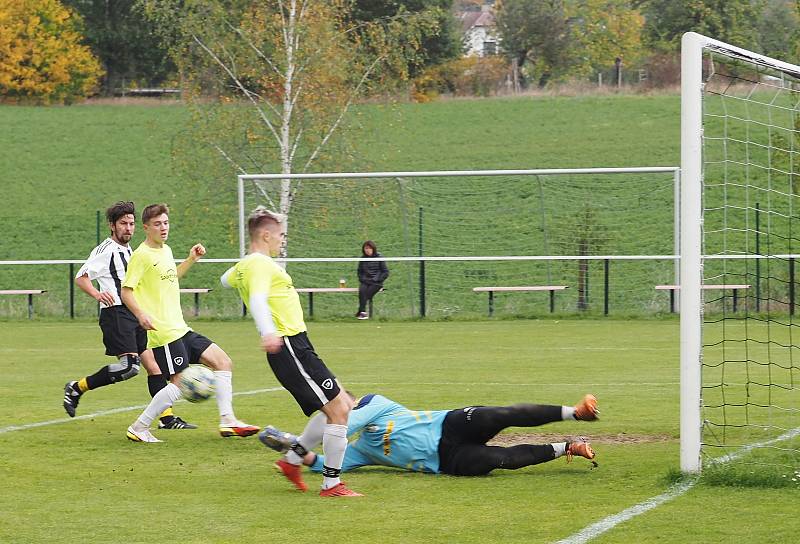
column 27, row 426
column 11, row 428
column 388, row 349
column 596, row 529
column 538, row 384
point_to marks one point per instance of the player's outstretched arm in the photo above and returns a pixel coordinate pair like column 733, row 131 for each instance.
column 129, row 299
column 197, row 251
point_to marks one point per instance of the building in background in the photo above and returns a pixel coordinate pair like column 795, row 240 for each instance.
column 480, row 34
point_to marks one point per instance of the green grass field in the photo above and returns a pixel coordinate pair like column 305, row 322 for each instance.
column 82, row 479
column 61, row 165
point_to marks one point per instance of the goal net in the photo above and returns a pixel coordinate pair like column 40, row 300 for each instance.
column 740, row 363
column 483, row 229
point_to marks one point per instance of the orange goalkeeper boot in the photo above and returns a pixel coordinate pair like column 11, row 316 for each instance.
column 586, row 409
column 581, row 448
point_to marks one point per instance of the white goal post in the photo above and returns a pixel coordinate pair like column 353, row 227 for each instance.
column 758, row 90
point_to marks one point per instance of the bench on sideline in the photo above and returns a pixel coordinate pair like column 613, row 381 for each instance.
column 492, row 290
column 312, row 290
column 673, row 288
column 29, row 292
column 197, row 292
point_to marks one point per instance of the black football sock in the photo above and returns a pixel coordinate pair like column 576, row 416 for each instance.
column 100, row 378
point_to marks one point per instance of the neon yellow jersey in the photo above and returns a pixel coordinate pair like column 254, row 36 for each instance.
column 153, row 276
column 257, row 274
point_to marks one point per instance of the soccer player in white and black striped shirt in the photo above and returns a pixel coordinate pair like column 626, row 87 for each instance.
column 122, row 335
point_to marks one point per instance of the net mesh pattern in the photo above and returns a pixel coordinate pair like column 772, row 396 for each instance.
column 751, row 194
column 519, row 215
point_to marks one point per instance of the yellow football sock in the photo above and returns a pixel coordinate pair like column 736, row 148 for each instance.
column 83, row 385
column 167, row 412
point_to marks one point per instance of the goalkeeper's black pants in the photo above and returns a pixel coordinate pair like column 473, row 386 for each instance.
column 463, row 450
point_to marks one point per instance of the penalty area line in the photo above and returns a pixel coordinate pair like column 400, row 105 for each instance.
column 606, row 524
column 27, row 426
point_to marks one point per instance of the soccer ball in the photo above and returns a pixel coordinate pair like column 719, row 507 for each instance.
column 196, row 383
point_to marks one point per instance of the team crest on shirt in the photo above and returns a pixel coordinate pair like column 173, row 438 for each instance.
column 327, row 384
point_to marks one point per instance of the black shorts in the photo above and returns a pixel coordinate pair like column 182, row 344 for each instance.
column 176, row 356
column 456, row 433
column 300, row 370
column 121, row 331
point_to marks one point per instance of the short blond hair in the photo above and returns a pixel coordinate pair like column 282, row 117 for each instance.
column 260, row 217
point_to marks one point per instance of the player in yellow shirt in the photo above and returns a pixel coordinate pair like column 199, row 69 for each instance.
column 122, row 335
column 273, row 302
column 152, row 293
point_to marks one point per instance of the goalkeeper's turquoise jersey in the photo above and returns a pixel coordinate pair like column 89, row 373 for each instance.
column 391, row 435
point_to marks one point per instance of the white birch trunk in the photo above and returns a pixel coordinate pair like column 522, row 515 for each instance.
column 286, row 120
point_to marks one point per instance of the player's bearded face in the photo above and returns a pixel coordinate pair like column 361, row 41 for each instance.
column 123, row 229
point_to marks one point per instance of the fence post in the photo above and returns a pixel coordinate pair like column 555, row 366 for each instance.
column 421, row 269
column 605, row 286
column 97, row 231
column 71, row 291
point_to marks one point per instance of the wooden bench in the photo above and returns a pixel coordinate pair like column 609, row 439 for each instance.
column 673, row 288
column 29, row 292
column 312, row 290
column 197, row 292
column 492, row 290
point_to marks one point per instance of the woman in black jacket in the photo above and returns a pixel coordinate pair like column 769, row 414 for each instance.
column 371, row 275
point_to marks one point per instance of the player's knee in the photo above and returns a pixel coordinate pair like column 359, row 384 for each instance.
column 338, row 409
column 220, row 362
column 125, row 369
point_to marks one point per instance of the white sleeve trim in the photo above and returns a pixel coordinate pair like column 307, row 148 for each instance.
column 224, row 278
column 259, row 308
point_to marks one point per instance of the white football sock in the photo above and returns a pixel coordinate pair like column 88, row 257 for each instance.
column 160, row 402
column 224, row 390
column 293, row 458
column 311, row 437
column 334, row 444
column 567, row 412
column 314, row 431
column 560, row 448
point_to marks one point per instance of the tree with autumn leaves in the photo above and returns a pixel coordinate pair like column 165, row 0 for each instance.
column 42, row 57
column 271, row 84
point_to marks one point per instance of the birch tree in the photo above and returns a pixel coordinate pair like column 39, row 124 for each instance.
column 273, row 82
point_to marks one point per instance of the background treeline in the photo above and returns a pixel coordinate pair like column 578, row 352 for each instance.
column 63, row 50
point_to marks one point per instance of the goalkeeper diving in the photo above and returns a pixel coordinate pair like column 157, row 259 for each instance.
column 444, row 441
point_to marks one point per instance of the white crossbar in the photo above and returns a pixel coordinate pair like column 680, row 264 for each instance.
column 704, row 286
column 522, row 288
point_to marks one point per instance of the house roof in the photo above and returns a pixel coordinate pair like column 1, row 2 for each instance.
column 471, row 19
